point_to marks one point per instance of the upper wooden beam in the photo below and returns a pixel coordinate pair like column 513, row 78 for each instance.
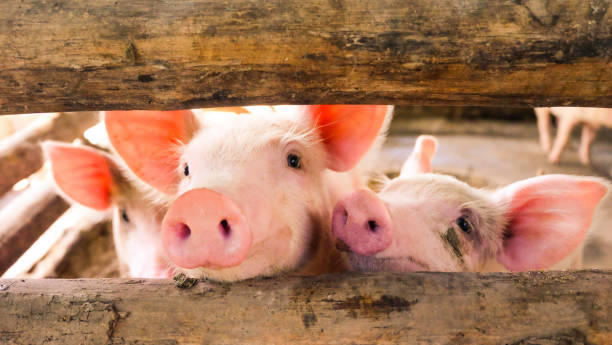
column 420, row 308
column 67, row 55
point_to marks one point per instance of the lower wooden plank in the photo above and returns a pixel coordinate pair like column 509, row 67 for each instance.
column 426, row 308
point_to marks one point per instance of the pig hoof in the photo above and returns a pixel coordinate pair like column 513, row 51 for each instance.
column 183, row 282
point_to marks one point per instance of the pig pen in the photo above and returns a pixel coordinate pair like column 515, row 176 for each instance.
column 174, row 54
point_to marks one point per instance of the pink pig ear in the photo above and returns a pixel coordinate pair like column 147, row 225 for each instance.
column 83, row 174
column 548, row 217
column 148, row 142
column 348, row 131
column 420, row 159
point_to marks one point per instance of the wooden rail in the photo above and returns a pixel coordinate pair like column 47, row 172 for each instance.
column 25, row 219
column 67, row 55
column 432, row 308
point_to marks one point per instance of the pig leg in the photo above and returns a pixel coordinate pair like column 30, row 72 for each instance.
column 588, row 134
column 566, row 124
column 543, row 115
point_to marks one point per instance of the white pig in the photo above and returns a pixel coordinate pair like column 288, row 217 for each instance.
column 567, row 119
column 422, row 221
column 249, row 195
column 93, row 179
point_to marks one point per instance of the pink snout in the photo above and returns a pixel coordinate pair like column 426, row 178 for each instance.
column 203, row 228
column 362, row 221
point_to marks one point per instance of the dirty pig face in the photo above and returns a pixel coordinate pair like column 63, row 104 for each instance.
column 433, row 222
column 437, row 224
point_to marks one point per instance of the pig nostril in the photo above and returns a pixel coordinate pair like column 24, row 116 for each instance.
column 372, row 225
column 226, row 229
column 344, row 217
column 183, row 231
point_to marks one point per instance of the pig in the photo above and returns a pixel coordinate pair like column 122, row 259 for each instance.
column 94, row 179
column 568, row 118
column 421, row 221
column 251, row 194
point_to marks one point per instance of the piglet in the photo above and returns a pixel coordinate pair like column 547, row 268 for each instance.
column 422, row 221
column 568, row 117
column 249, row 194
column 93, row 179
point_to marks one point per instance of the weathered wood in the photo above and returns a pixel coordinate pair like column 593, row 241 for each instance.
column 25, row 219
column 21, row 155
column 142, row 54
column 78, row 245
column 431, row 308
column 84, row 253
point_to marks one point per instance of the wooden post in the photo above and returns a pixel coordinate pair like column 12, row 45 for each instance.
column 426, row 308
column 171, row 54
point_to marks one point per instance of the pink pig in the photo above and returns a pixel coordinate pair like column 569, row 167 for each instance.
column 568, row 118
column 93, row 179
column 422, row 221
column 252, row 194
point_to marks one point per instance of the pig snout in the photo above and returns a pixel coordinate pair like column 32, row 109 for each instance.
column 362, row 222
column 203, row 228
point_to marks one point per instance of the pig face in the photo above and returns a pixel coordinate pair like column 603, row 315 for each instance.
column 429, row 222
column 92, row 178
column 248, row 194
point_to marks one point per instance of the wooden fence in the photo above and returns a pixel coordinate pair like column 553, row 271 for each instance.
column 89, row 55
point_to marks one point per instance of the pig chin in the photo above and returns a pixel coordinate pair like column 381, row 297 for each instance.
column 268, row 257
column 363, row 263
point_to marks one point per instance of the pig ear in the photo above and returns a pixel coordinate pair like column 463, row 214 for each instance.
column 420, row 159
column 148, row 142
column 348, row 130
column 83, row 174
column 548, row 217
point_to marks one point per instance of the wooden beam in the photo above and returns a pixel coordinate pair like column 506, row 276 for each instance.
column 169, row 54
column 25, row 219
column 21, row 155
column 78, row 244
column 433, row 308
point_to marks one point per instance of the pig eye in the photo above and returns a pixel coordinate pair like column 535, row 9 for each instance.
column 186, row 170
column 124, row 216
column 293, row 161
column 464, row 225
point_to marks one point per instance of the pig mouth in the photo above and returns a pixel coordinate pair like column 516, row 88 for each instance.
column 342, row 246
column 399, row 264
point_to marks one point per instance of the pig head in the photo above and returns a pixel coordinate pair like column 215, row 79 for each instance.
column 422, row 221
column 93, row 179
column 249, row 194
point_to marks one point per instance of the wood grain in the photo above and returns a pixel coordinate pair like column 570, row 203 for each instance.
column 425, row 308
column 67, row 55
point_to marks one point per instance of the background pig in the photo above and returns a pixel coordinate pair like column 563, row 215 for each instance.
column 567, row 119
column 430, row 222
column 93, row 179
column 249, row 194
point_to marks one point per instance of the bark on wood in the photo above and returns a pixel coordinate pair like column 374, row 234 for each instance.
column 141, row 54
column 25, row 219
column 432, row 308
column 21, row 155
